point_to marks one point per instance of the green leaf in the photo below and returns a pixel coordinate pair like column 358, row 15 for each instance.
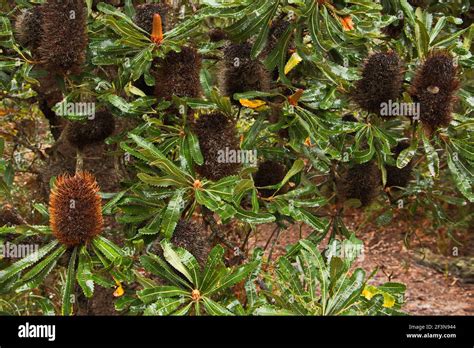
column 432, row 156
column 111, row 251
column 214, row 270
column 157, row 266
column 159, row 160
column 195, row 149
column 84, row 276
column 67, row 294
column 27, row 261
column 297, row 167
column 407, row 154
column 152, row 294
column 173, row 258
column 165, row 306
column 214, row 308
column 234, row 277
column 172, row 214
column 252, row 217
column 51, row 258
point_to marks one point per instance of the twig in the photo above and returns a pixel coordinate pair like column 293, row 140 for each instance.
column 208, row 217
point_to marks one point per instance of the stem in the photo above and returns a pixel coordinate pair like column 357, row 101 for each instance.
column 79, row 161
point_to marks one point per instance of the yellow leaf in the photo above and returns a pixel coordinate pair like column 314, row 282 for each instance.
column 294, row 60
column 119, row 292
column 388, row 300
column 252, row 104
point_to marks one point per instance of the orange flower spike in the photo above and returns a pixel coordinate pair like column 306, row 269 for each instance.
column 294, row 98
column 347, row 23
column 157, row 32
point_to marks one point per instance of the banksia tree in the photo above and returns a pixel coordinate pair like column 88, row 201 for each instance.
column 92, row 131
column 434, row 88
column 399, row 176
column 360, row 181
column 178, row 74
column 64, row 40
column 216, row 134
column 75, row 209
column 240, row 73
column 382, row 77
column 269, row 173
column 28, row 27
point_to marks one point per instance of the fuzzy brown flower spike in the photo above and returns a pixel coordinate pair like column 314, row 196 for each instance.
column 178, row 74
column 269, row 173
column 382, row 77
column 216, row 133
column 75, row 209
column 396, row 176
column 192, row 237
column 361, row 181
column 28, row 29
column 64, row 40
column 96, row 130
column 434, row 87
column 144, row 15
column 239, row 73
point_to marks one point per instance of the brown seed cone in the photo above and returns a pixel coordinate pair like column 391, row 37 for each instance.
column 277, row 29
column 10, row 217
column 193, row 237
column 144, row 15
column 217, row 34
column 28, row 27
column 178, row 74
column 64, row 40
column 382, row 77
column 393, row 30
column 434, row 87
column 216, row 132
column 361, row 181
column 89, row 132
column 239, row 73
column 75, row 209
column 396, row 176
column 269, row 173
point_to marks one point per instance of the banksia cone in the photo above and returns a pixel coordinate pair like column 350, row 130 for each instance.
column 28, row 27
column 216, row 134
column 10, row 217
column 396, row 176
column 217, row 34
column 361, row 181
column 178, row 74
column 349, row 118
column 269, row 173
column 64, row 39
column 277, row 29
column 94, row 131
column 192, row 237
column 394, row 30
column 239, row 73
column 382, row 77
column 75, row 209
column 144, row 15
column 434, row 86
